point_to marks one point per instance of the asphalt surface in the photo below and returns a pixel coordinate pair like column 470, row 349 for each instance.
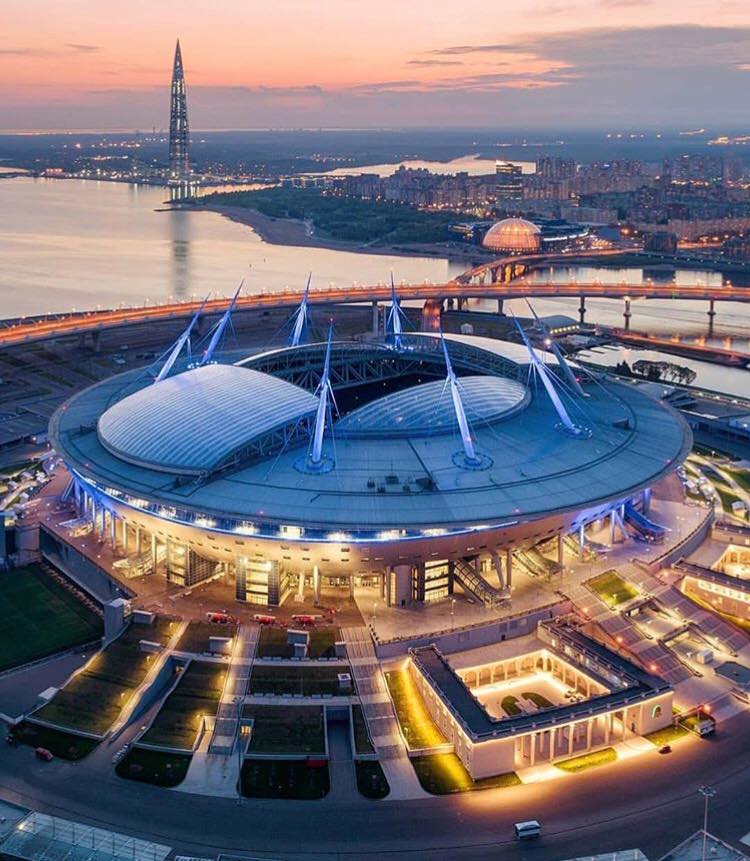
column 650, row 802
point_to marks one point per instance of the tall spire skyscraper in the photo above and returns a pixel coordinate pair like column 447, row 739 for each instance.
column 179, row 138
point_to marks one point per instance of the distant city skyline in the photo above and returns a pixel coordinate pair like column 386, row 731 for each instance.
column 544, row 64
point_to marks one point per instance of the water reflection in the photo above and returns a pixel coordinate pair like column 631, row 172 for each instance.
column 180, row 231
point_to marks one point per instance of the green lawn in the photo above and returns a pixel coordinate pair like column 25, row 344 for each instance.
column 510, row 706
column 541, row 702
column 286, row 729
column 93, row 699
column 197, row 694
column 588, row 760
column 40, row 617
column 371, row 780
column 150, row 766
column 444, row 773
column 416, row 724
column 667, row 735
column 285, row 778
column 196, row 636
column 286, row 680
column 273, row 643
column 362, row 743
column 612, row 589
column 63, row 745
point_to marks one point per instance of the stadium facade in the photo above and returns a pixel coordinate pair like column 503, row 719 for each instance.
column 410, row 463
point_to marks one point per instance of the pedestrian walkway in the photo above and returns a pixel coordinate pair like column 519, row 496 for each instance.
column 228, row 714
column 379, row 714
column 341, row 763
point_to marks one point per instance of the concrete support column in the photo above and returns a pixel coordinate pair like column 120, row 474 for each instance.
column 711, row 316
column 571, row 736
column 627, row 314
column 153, row 552
column 560, row 549
column 509, row 567
column 500, row 309
column 532, row 752
column 138, row 540
column 589, row 730
column 113, row 530
column 607, row 728
column 646, row 500
column 402, row 597
column 582, row 310
column 301, row 585
column 316, row 585
column 581, row 540
column 125, row 537
column 612, row 524
column 351, row 585
column 624, row 723
column 384, row 586
column 375, row 318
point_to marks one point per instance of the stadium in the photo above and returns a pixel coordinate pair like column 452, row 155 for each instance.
column 411, row 464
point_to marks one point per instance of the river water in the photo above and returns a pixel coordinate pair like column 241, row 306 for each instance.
column 76, row 244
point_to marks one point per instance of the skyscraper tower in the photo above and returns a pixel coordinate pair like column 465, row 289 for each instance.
column 179, row 138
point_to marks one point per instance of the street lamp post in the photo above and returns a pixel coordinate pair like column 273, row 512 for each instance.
column 707, row 792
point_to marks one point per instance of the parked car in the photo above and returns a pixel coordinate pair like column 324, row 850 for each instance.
column 527, row 830
column 44, row 754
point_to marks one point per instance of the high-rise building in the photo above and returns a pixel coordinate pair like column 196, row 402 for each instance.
column 508, row 180
column 179, row 136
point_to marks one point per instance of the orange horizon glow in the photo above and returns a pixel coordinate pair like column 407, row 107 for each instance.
column 289, row 53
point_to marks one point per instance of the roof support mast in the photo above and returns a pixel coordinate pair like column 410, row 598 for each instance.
column 394, row 317
column 219, row 330
column 565, row 421
column 179, row 344
column 559, row 355
column 301, row 316
column 470, row 454
column 315, row 460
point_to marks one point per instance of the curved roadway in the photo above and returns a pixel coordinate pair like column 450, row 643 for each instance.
column 649, row 801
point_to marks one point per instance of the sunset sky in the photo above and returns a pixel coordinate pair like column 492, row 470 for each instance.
column 79, row 64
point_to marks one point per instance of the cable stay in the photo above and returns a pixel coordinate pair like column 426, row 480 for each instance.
column 559, row 355
column 469, row 459
column 219, row 330
column 180, row 343
column 300, row 317
column 541, row 370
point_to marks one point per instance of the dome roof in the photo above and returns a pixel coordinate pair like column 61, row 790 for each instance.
column 198, row 420
column 514, row 235
column 427, row 409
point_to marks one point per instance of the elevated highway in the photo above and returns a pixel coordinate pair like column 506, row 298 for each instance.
column 509, row 283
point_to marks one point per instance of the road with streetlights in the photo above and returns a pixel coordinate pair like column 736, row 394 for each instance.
column 650, row 801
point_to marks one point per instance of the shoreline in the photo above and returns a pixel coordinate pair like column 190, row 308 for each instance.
column 293, row 232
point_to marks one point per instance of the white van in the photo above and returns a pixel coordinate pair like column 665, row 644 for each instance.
column 527, row 830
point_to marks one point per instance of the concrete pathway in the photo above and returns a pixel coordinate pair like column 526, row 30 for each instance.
column 235, row 687
column 341, row 763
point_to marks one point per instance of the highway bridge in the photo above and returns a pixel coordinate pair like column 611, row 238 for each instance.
column 470, row 285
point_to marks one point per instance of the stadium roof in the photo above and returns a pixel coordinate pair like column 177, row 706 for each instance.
column 428, row 409
column 198, row 420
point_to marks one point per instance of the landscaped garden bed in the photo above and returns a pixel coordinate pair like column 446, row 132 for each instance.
column 197, row 695
column 197, row 635
column 371, row 780
column 588, row 760
column 612, row 589
column 41, row 617
column 286, row 729
column 300, row 779
column 273, row 643
column 93, row 698
column 292, row 679
column 362, row 741
column 64, row 745
column 153, row 766
column 417, row 725
column 444, row 773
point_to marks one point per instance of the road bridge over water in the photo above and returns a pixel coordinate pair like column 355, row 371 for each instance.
column 475, row 284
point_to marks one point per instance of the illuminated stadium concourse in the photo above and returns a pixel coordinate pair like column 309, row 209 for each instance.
column 410, row 464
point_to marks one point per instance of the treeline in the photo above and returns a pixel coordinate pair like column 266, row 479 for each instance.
column 345, row 218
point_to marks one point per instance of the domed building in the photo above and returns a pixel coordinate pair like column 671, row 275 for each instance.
column 513, row 236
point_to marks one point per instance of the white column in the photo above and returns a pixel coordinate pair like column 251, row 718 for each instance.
column 571, row 734
column 316, row 585
column 301, row 584
column 589, row 729
column 125, row 537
